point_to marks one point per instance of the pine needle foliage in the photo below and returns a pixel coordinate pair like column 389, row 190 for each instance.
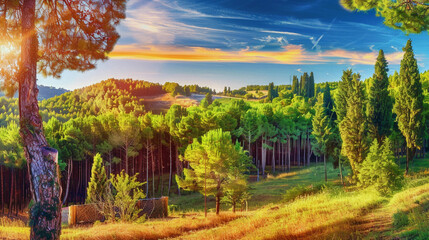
column 98, row 184
column 380, row 170
column 409, row 103
column 379, row 108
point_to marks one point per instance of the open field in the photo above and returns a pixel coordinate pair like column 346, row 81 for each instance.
column 334, row 212
column 163, row 102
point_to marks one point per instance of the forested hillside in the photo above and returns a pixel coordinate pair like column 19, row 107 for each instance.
column 45, row 92
column 109, row 118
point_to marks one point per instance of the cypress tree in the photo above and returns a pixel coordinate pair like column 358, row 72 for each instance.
column 343, row 94
column 409, row 103
column 270, row 96
column 353, row 126
column 96, row 190
column 304, row 85
column 379, row 109
column 295, row 85
column 328, row 104
column 321, row 131
column 311, row 86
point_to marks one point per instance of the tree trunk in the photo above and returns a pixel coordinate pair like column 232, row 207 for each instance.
column 324, row 163
column 299, row 150
column 264, row 155
column 233, row 207
column 171, row 170
column 288, row 153
column 126, row 159
column 410, row 155
column 9, row 210
column 153, row 172
column 177, row 167
column 69, row 173
column 273, row 161
column 2, row 189
column 147, row 168
column 309, row 152
column 217, row 204
column 341, row 171
column 42, row 161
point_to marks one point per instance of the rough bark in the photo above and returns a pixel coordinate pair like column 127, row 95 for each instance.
column 42, row 161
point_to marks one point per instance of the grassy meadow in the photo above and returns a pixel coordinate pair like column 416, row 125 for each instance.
column 330, row 211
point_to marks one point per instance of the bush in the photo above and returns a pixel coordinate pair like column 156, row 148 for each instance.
column 380, row 170
column 122, row 198
column 400, row 219
column 301, row 190
column 97, row 186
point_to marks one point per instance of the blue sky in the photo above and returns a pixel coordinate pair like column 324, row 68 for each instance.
column 240, row 42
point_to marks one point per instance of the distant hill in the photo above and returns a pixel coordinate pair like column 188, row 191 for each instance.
column 45, row 92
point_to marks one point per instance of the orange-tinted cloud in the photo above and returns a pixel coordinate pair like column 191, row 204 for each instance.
column 290, row 54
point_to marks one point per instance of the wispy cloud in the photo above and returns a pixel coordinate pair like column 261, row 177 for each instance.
column 290, row 54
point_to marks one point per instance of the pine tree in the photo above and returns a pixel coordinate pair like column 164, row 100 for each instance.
column 49, row 37
column 353, row 126
column 295, row 85
column 379, row 169
column 379, row 109
column 409, row 103
column 321, row 131
column 96, row 191
column 213, row 162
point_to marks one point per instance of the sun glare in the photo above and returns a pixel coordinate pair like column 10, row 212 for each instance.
column 7, row 50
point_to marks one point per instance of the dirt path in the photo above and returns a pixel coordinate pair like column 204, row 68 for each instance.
column 374, row 223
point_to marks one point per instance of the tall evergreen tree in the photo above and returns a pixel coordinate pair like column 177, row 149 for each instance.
column 379, row 109
column 304, row 85
column 321, row 131
column 295, row 85
column 96, row 190
column 272, row 92
column 342, row 95
column 311, row 86
column 353, row 127
column 328, row 104
column 409, row 103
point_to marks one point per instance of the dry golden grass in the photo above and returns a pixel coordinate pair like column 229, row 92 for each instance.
column 151, row 230
column 281, row 175
column 319, row 215
column 13, row 229
column 336, row 213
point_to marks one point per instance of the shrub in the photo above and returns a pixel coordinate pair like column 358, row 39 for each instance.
column 122, row 198
column 380, row 170
column 97, row 186
column 400, row 219
column 301, row 190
